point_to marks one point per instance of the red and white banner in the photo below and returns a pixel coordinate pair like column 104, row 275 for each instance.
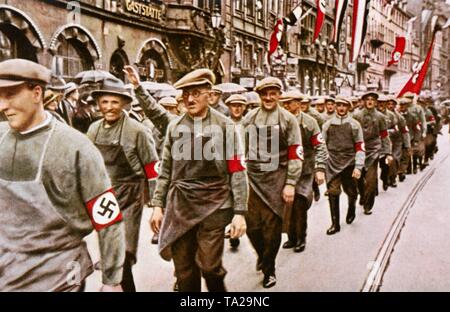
column 414, row 84
column 275, row 38
column 400, row 43
column 341, row 7
column 360, row 18
column 321, row 10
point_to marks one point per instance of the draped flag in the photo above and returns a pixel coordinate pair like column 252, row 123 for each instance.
column 321, row 10
column 341, row 6
column 294, row 16
column 360, row 17
column 399, row 49
column 414, row 84
column 275, row 38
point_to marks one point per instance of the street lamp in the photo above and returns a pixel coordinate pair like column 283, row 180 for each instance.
column 216, row 18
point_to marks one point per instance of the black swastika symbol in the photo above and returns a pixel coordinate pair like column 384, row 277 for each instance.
column 106, row 208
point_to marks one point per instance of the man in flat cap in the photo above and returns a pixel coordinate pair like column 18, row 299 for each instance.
column 275, row 156
column 417, row 125
column 319, row 105
column 54, row 190
column 346, row 154
column 378, row 145
column 131, row 160
column 314, row 165
column 200, row 190
column 430, row 138
column 392, row 127
column 216, row 101
column 330, row 108
column 170, row 104
column 401, row 142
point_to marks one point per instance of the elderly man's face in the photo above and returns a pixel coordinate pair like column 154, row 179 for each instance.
column 21, row 106
column 196, row 100
column 111, row 107
column 269, row 98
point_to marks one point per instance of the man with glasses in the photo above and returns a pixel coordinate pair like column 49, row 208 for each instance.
column 202, row 188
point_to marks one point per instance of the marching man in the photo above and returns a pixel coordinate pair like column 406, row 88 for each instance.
column 54, row 190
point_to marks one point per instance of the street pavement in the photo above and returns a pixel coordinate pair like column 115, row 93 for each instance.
column 340, row 262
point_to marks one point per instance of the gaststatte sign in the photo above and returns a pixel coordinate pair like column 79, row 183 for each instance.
column 143, row 9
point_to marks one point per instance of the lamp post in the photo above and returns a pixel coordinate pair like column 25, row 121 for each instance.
column 219, row 43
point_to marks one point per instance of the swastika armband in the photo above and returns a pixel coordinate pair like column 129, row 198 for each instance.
column 104, row 210
column 405, row 129
column 295, row 152
column 237, row 164
column 360, row 147
column 317, row 139
column 153, row 170
column 384, row 134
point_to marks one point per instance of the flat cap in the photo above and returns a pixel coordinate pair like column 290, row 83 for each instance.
column 370, row 93
column 17, row 71
column 291, row 95
column 383, row 98
column 403, row 101
column 269, row 82
column 329, row 98
column 237, row 99
column 197, row 77
column 306, row 99
column 49, row 97
column 409, row 95
column 216, row 90
column 168, row 101
column 342, row 100
column 319, row 100
column 71, row 86
column 113, row 86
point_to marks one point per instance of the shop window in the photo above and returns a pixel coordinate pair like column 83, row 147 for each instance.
column 14, row 44
column 71, row 58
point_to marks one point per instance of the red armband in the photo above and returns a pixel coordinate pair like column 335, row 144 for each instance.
column 104, row 210
column 384, row 134
column 295, row 152
column 431, row 118
column 405, row 129
column 317, row 139
column 419, row 126
column 153, row 170
column 360, row 147
column 237, row 164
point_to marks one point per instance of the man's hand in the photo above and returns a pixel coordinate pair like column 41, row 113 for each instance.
column 389, row 160
column 288, row 194
column 156, row 219
column 109, row 288
column 238, row 227
column 320, row 177
column 356, row 174
column 132, row 75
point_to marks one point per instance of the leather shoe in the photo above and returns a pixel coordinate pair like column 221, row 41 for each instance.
column 333, row 230
column 269, row 281
column 401, row 177
column 367, row 212
column 288, row 245
column 300, row 247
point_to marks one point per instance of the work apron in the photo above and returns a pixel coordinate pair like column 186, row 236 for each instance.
column 268, row 185
column 128, row 186
column 198, row 188
column 371, row 131
column 341, row 149
column 39, row 249
column 304, row 184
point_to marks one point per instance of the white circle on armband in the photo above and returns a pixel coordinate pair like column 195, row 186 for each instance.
column 106, row 209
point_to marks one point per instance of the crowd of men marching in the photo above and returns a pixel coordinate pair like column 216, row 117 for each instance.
column 130, row 151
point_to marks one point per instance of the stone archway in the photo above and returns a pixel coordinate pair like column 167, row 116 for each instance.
column 154, row 62
column 19, row 35
column 74, row 50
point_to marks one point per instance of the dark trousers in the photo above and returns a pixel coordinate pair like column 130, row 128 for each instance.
column 199, row 253
column 393, row 171
column 264, row 231
column 368, row 185
column 127, row 277
column 384, row 174
column 298, row 223
column 346, row 180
